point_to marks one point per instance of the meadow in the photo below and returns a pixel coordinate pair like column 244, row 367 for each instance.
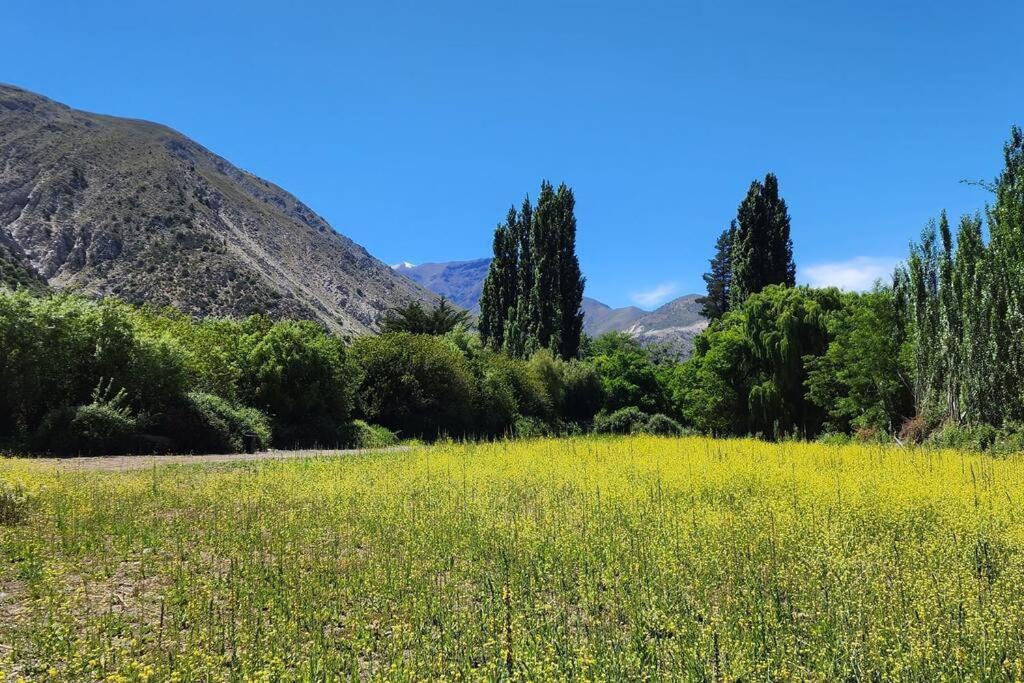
column 586, row 558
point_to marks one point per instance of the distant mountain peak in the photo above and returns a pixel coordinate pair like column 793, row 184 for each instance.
column 404, row 265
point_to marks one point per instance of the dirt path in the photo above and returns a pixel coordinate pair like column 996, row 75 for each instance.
column 117, row 463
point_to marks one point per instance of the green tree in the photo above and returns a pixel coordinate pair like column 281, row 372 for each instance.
column 299, row 375
column 762, row 251
column 864, row 379
column 719, row 279
column 532, row 294
column 747, row 374
column 416, row 319
column 415, row 385
column 629, row 377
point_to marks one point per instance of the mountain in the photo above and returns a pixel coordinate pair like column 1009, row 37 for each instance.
column 675, row 323
column 460, row 281
column 113, row 206
column 599, row 318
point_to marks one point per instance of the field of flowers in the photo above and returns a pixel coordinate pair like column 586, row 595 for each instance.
column 601, row 559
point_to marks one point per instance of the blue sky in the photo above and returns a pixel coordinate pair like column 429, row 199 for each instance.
column 412, row 127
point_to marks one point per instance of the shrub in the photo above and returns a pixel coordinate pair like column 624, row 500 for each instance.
column 209, row 424
column 298, row 374
column 360, row 434
column 415, row 385
column 530, row 428
column 15, row 502
column 54, row 349
column 914, row 430
column 622, row 421
column 496, row 406
column 662, row 425
column 584, row 393
column 103, row 427
column 965, row 437
column 549, row 373
column 834, row 439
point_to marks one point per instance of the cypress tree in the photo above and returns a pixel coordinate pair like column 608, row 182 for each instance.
column 719, row 278
column 762, row 250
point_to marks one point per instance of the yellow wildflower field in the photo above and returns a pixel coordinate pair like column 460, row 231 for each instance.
column 581, row 558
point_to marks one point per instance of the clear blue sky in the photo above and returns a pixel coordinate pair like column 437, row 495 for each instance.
column 413, row 126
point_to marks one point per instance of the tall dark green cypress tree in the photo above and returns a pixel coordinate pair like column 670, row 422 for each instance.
column 719, row 278
column 762, row 250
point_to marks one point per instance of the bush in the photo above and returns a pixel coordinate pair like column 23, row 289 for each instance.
column 360, row 434
column 209, row 424
column 415, row 385
column 298, row 374
column 914, row 430
column 15, row 502
column 622, row 421
column 662, row 425
column 584, row 393
column 106, row 426
column 530, row 428
column 834, row 439
column 53, row 350
column 496, row 406
column 974, row 438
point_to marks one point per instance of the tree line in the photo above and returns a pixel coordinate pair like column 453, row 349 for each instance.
column 932, row 355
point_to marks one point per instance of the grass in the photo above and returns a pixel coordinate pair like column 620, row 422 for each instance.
column 600, row 559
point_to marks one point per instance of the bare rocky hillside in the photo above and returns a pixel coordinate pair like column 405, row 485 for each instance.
column 114, row 206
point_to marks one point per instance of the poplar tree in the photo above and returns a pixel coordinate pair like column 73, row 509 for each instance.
column 533, row 291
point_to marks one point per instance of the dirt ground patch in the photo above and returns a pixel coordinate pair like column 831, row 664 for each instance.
column 111, row 463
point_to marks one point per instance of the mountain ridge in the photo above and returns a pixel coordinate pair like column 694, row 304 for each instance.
column 125, row 207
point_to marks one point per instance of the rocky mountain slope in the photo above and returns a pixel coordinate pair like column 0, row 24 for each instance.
column 113, row 206
column 675, row 323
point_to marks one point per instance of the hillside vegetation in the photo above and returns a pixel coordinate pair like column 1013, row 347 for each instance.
column 597, row 559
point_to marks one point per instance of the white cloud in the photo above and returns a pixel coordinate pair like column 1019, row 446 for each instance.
column 656, row 295
column 856, row 274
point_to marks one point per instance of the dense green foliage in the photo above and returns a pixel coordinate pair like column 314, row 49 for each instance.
column 747, row 373
column 415, row 385
column 762, row 251
column 531, row 297
column 935, row 357
column 719, row 279
column 963, row 302
column 416, row 319
column 84, row 376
